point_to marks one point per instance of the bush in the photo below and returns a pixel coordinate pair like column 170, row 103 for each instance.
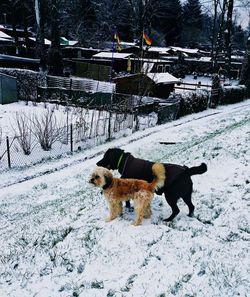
column 233, row 94
column 192, row 102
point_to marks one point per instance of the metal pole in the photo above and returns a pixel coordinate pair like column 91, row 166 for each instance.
column 8, row 151
column 71, row 138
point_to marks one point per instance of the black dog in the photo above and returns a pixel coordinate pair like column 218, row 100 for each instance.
column 178, row 178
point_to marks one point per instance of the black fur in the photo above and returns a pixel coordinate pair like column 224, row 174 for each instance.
column 178, row 178
column 108, row 182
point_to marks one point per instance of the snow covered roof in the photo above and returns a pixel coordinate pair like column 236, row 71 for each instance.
column 18, row 59
column 147, row 60
column 111, row 55
column 65, row 41
column 163, row 78
column 46, row 41
column 162, row 50
column 185, row 50
column 205, row 59
column 4, row 35
column 127, row 44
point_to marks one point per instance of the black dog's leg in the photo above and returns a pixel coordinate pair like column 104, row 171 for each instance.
column 188, row 201
column 172, row 201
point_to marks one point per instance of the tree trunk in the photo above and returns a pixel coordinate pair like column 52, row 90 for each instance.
column 40, row 46
column 55, row 55
column 228, row 35
column 213, row 52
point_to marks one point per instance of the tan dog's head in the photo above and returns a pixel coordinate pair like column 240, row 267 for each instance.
column 101, row 177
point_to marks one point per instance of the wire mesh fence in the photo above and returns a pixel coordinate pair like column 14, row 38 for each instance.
column 47, row 141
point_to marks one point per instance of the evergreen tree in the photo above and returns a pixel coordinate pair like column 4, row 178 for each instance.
column 110, row 15
column 192, row 15
column 11, row 10
column 167, row 20
column 79, row 21
column 192, row 22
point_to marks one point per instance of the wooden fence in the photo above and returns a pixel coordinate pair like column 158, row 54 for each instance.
column 87, row 85
column 192, row 87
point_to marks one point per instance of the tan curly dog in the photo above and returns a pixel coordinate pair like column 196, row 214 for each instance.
column 117, row 190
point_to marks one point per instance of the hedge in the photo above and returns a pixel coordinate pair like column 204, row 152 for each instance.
column 191, row 102
column 233, row 94
column 27, row 82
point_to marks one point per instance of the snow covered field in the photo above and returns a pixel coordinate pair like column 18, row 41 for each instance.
column 54, row 241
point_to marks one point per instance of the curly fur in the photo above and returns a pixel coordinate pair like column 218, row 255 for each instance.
column 117, row 190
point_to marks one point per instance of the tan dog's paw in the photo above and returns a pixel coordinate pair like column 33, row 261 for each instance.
column 109, row 219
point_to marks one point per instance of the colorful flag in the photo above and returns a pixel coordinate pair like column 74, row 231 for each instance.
column 147, row 39
column 116, row 37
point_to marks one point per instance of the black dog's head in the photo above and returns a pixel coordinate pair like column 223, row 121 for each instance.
column 111, row 158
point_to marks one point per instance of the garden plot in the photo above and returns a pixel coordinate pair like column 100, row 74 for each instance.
column 40, row 132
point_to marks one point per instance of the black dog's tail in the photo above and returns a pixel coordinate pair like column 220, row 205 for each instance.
column 197, row 169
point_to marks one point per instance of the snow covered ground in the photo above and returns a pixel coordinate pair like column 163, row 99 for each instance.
column 54, row 240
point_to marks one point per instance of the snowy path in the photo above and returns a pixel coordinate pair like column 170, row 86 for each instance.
column 54, row 241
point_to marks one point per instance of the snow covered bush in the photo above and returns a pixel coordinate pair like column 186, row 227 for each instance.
column 27, row 82
column 233, row 94
column 192, row 102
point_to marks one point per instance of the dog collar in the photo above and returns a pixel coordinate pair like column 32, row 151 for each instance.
column 119, row 161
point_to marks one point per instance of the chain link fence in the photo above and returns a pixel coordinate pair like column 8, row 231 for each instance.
column 90, row 128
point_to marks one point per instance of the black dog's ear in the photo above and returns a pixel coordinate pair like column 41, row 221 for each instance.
column 100, row 163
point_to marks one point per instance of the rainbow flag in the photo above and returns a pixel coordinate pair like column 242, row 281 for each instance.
column 147, row 39
column 116, row 37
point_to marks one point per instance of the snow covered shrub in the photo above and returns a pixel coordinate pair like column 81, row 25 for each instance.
column 233, row 94
column 192, row 102
column 23, row 132
column 27, row 82
column 167, row 112
column 46, row 129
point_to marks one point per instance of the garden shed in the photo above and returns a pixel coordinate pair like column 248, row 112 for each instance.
column 8, row 89
column 151, row 84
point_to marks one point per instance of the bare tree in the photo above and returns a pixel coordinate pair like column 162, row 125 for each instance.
column 222, row 31
column 228, row 35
